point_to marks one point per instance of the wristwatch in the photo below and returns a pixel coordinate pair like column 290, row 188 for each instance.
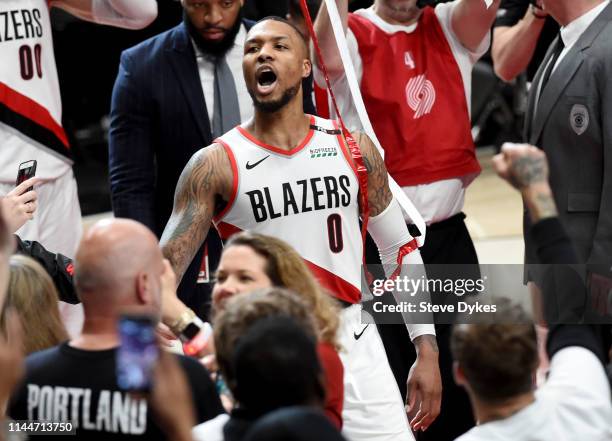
column 179, row 325
column 192, row 331
column 196, row 337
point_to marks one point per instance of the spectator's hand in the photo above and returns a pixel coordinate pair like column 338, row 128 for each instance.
column 172, row 307
column 11, row 358
column 526, row 169
column 210, row 361
column 424, row 391
column 521, row 165
column 165, row 336
column 171, row 399
column 227, row 400
column 18, row 205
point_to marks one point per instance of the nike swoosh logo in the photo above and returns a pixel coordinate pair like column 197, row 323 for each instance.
column 358, row 336
column 250, row 166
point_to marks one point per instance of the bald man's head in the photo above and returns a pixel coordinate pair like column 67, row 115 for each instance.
column 118, row 264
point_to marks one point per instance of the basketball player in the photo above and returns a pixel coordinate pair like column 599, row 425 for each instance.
column 290, row 175
column 31, row 110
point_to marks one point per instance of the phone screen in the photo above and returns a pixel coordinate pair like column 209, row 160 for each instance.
column 26, row 171
column 137, row 353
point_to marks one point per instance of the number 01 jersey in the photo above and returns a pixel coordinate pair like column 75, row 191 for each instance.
column 30, row 101
column 307, row 196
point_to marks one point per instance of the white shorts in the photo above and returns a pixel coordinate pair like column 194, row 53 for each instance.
column 373, row 406
column 58, row 226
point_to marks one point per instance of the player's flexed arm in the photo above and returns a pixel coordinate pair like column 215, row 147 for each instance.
column 388, row 229
column 204, row 182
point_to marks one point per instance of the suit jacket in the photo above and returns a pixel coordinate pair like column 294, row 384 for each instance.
column 573, row 125
column 158, row 121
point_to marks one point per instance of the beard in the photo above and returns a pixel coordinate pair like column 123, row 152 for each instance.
column 214, row 48
column 276, row 105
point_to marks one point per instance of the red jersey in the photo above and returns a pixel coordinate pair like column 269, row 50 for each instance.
column 415, row 97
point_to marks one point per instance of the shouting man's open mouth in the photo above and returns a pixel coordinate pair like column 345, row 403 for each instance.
column 266, row 80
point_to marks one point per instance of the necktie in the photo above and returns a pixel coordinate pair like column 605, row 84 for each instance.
column 555, row 56
column 226, row 113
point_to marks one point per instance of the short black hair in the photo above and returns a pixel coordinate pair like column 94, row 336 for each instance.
column 276, row 365
column 303, row 38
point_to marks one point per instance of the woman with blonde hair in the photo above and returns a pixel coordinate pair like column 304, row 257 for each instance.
column 285, row 268
column 32, row 295
column 251, row 261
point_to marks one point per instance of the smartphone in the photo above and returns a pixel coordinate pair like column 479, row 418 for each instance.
column 26, row 171
column 137, row 354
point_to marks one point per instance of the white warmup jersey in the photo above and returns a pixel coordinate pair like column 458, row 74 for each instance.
column 30, row 105
column 31, row 128
column 307, row 197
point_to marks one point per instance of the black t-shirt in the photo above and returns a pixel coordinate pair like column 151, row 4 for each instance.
column 68, row 384
column 510, row 13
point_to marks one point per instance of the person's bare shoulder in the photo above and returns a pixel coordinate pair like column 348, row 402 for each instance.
column 207, row 174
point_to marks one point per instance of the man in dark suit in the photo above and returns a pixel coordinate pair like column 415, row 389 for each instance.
column 570, row 116
column 173, row 95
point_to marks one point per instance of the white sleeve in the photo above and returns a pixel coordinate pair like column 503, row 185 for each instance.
column 444, row 12
column 129, row 14
column 580, row 374
column 578, row 387
column 390, row 233
column 211, row 430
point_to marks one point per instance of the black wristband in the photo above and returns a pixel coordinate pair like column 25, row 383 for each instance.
column 563, row 336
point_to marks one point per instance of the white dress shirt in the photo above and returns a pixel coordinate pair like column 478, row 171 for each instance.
column 206, row 67
column 574, row 30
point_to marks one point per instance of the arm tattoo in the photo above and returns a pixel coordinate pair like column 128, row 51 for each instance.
column 529, row 170
column 205, row 176
column 540, row 205
column 379, row 194
column 427, row 339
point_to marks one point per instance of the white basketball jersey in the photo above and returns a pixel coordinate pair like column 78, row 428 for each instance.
column 29, row 88
column 307, row 196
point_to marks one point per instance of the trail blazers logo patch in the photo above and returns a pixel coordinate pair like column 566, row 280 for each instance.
column 421, row 95
column 579, row 119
